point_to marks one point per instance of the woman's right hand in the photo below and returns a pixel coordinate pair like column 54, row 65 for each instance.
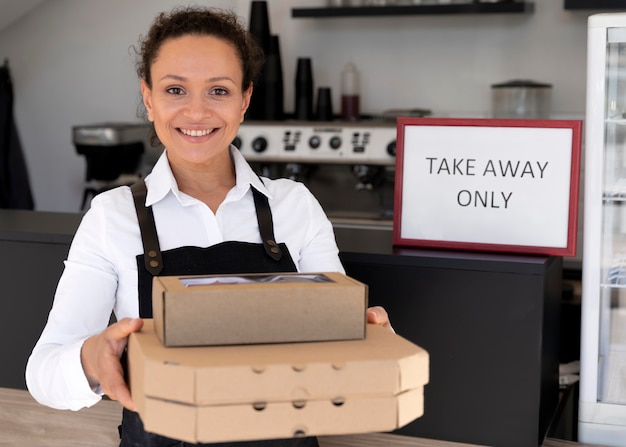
column 100, row 356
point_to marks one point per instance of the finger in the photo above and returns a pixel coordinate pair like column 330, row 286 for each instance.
column 116, row 336
column 378, row 315
column 113, row 383
column 110, row 369
column 122, row 329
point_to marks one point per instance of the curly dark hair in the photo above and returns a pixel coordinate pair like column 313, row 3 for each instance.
column 196, row 20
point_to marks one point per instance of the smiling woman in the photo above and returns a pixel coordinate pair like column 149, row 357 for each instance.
column 202, row 210
column 196, row 103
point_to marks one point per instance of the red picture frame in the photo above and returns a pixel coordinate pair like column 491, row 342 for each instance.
column 495, row 185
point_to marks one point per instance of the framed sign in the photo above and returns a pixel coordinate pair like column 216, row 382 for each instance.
column 488, row 184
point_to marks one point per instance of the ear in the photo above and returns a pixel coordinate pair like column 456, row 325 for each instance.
column 146, row 94
column 246, row 102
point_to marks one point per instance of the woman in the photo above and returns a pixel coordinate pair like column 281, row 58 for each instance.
column 201, row 210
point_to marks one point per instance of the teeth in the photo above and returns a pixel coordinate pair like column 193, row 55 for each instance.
column 196, row 133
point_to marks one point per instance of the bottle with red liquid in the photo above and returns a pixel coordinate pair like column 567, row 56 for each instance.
column 350, row 94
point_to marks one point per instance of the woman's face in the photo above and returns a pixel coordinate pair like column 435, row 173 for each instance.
column 196, row 101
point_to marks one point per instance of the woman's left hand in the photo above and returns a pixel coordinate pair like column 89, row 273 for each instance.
column 378, row 315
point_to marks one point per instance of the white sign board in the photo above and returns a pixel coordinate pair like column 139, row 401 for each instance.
column 493, row 185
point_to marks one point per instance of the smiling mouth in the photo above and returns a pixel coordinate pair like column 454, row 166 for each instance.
column 196, row 132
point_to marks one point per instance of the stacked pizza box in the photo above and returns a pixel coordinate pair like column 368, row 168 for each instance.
column 236, row 378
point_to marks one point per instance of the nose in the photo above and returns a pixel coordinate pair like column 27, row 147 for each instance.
column 198, row 107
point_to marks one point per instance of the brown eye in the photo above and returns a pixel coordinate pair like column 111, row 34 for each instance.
column 219, row 91
column 175, row 90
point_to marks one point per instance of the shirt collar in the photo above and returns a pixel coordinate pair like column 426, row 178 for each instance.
column 161, row 180
column 246, row 175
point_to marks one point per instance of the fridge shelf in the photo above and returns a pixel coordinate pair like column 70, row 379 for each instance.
column 619, row 120
column 614, row 285
column 613, row 197
column 616, row 193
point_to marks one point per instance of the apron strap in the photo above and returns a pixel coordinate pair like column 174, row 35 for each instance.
column 266, row 225
column 151, row 249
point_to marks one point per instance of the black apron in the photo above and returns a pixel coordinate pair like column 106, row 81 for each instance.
column 224, row 258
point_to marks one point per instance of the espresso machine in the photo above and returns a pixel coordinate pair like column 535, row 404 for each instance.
column 113, row 154
column 348, row 166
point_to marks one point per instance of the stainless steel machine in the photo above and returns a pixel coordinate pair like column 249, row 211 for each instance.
column 113, row 154
column 349, row 167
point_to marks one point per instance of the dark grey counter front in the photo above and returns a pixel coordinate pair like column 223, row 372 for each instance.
column 489, row 321
column 33, row 246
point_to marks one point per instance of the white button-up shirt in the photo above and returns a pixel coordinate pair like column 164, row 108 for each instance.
column 100, row 272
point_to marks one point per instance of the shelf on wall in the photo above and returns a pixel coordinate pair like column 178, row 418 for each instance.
column 594, row 4
column 457, row 8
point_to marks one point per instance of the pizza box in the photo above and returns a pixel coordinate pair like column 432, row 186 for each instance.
column 266, row 391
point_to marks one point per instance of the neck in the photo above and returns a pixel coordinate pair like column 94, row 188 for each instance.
column 207, row 182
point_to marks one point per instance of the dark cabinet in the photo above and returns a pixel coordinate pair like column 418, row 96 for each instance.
column 33, row 246
column 490, row 323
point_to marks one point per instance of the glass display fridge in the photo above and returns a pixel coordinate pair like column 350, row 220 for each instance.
column 602, row 404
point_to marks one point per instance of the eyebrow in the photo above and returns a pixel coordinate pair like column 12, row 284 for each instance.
column 182, row 78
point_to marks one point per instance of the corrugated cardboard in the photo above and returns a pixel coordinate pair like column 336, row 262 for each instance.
column 272, row 309
column 228, row 393
column 232, row 423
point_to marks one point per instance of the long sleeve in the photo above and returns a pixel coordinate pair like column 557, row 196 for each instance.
column 82, row 306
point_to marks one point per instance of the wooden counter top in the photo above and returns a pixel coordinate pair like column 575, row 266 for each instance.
column 23, row 422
